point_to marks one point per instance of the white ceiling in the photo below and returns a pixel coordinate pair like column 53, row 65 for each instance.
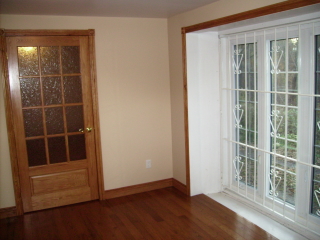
column 108, row 8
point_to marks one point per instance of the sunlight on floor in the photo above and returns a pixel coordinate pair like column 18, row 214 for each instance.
column 276, row 229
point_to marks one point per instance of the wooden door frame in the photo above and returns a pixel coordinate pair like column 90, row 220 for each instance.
column 8, row 103
column 258, row 12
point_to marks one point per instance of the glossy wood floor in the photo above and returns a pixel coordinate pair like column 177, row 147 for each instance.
column 159, row 214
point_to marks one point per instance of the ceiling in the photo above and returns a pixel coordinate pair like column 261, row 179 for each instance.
column 106, row 8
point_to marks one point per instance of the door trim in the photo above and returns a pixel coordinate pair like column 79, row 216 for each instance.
column 8, row 103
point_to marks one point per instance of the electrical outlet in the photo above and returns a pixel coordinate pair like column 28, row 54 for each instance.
column 148, row 163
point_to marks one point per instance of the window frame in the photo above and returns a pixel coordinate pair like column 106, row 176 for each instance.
column 301, row 211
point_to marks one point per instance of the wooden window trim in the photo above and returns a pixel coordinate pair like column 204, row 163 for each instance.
column 8, row 109
column 258, row 12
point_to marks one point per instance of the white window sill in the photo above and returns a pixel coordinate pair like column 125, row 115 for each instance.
column 266, row 223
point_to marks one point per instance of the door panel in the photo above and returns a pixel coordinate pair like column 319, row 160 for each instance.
column 52, row 108
column 59, row 181
column 60, row 198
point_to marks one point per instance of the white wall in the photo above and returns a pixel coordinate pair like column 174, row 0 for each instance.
column 204, row 111
column 134, row 96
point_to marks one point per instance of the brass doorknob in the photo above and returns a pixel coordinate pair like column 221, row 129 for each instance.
column 88, row 129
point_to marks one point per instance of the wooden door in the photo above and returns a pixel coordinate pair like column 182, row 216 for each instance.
column 49, row 79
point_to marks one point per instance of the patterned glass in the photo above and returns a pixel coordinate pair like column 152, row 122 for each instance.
column 33, row 124
column 72, row 89
column 54, row 120
column 70, row 59
column 50, row 60
column 52, row 90
column 77, row 147
column 57, row 149
column 30, row 92
column 36, row 152
column 74, row 116
column 28, row 61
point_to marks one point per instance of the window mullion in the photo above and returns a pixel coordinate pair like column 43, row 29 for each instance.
column 305, row 115
column 255, row 116
column 246, row 111
column 286, row 126
column 238, row 103
column 263, row 116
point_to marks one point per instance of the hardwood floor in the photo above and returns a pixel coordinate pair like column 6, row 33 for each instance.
column 158, row 214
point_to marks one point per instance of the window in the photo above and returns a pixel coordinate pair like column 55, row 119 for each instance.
column 315, row 208
column 283, row 58
column 245, row 112
column 271, row 117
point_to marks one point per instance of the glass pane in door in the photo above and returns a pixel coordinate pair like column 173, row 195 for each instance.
column 77, row 147
column 57, row 149
column 74, row 116
column 70, row 59
column 72, row 89
column 30, row 92
column 36, row 152
column 52, row 102
column 33, row 123
column 54, row 120
column 52, row 92
column 28, row 61
column 50, row 60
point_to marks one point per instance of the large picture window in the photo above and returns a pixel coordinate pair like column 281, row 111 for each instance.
column 271, row 118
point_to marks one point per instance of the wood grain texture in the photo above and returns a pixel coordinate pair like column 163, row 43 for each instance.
column 186, row 111
column 179, row 186
column 59, row 181
column 96, row 119
column 274, row 8
column 88, row 110
column 8, row 212
column 10, row 124
column 159, row 214
column 139, row 188
column 17, row 122
column 58, row 167
column 31, row 32
column 60, row 198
